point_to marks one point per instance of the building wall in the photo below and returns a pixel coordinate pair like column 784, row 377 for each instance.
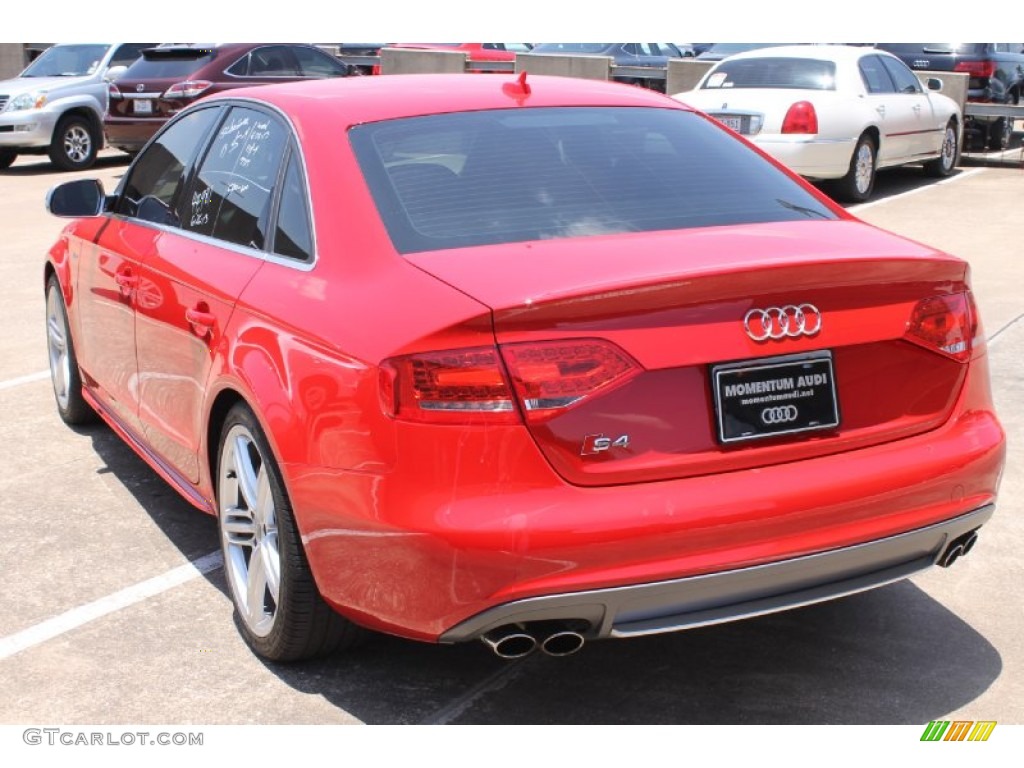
column 12, row 59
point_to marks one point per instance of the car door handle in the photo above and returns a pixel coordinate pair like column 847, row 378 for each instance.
column 880, row 109
column 917, row 107
column 201, row 321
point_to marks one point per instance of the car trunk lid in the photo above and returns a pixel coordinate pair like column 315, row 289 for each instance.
column 659, row 328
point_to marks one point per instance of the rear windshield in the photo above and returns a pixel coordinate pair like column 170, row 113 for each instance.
column 503, row 176
column 806, row 74
column 160, row 63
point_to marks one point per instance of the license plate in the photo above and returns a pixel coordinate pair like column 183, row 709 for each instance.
column 779, row 396
column 736, row 123
column 143, row 107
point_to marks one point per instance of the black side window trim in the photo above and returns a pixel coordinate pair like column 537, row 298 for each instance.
column 291, row 152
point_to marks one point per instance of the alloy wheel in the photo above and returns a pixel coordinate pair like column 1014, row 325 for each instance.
column 249, row 533
column 77, row 143
column 57, row 346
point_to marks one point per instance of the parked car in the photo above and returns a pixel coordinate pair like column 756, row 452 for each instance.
column 169, row 78
column 996, row 75
column 653, row 55
column 834, row 113
column 719, row 51
column 56, row 105
column 651, row 380
column 476, row 53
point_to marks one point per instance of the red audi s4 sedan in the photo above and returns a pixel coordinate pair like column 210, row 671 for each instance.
column 532, row 361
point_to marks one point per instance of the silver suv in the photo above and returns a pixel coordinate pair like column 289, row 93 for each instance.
column 56, row 105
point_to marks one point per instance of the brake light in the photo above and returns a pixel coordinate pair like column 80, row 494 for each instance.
column 946, row 324
column 454, row 386
column 188, row 89
column 470, row 386
column 113, row 91
column 801, row 118
column 551, row 376
column 976, row 68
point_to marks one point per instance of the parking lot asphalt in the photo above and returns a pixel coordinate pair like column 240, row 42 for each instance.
column 106, row 621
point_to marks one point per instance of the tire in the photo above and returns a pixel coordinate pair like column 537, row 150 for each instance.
column 75, row 143
column 949, row 155
column 999, row 133
column 64, row 373
column 278, row 609
column 858, row 183
column 7, row 158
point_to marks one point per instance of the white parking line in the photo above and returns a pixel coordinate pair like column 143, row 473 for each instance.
column 24, row 379
column 959, row 177
column 83, row 614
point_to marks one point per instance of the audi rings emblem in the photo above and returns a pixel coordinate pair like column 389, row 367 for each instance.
column 779, row 414
column 789, row 321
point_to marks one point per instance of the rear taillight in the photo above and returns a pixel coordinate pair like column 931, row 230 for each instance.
column 471, row 386
column 946, row 324
column 455, row 386
column 976, row 68
column 113, row 91
column 189, row 89
column 549, row 377
column 801, row 118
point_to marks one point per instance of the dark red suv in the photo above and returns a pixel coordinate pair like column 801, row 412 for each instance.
column 167, row 79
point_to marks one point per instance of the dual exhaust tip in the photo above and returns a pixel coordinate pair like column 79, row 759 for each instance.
column 960, row 547
column 514, row 641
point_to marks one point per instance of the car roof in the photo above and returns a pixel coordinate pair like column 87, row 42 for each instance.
column 352, row 100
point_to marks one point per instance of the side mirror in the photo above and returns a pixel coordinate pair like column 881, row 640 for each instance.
column 76, row 199
column 934, row 84
column 114, row 72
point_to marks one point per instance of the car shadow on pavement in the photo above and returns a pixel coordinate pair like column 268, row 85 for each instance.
column 191, row 531
column 891, row 656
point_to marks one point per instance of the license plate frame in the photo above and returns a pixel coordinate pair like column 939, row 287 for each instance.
column 775, row 397
column 142, row 107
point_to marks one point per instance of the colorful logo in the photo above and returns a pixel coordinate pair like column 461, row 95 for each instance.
column 958, row 730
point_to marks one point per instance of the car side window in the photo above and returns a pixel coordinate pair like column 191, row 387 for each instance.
column 230, row 196
column 154, row 184
column 293, row 234
column 875, row 75
column 314, row 63
column 906, row 81
column 273, row 61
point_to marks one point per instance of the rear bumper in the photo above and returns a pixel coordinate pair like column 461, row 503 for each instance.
column 811, row 157
column 404, row 553
column 716, row 598
column 130, row 135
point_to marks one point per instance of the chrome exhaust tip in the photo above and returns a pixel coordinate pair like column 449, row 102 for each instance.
column 958, row 549
column 510, row 642
column 562, row 643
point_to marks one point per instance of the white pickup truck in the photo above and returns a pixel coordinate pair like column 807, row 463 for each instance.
column 56, row 105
